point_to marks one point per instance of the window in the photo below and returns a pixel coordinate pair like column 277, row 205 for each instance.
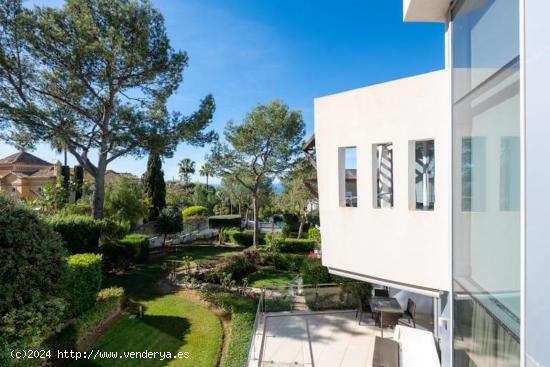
column 347, row 159
column 422, row 169
column 383, row 175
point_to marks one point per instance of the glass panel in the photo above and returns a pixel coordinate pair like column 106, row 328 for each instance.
column 383, row 180
column 486, row 183
column 350, row 176
column 473, row 174
column 424, row 174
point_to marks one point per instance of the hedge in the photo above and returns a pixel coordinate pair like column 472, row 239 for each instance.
column 243, row 312
column 108, row 302
column 292, row 262
column 244, row 238
column 298, row 245
column 196, row 210
column 83, row 282
column 32, row 270
column 139, row 245
column 224, row 221
column 81, row 233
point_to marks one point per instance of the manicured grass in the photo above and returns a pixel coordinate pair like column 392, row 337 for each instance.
column 270, row 277
column 171, row 323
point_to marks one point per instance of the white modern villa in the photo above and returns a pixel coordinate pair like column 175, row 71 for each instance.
column 434, row 188
column 448, row 192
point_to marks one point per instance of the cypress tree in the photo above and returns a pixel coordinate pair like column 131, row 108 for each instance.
column 155, row 187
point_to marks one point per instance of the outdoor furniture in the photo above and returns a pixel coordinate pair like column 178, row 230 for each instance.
column 360, row 309
column 410, row 312
column 381, row 292
column 386, row 353
column 386, row 308
column 418, row 348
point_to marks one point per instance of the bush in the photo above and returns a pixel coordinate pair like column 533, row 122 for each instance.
column 314, row 273
column 195, row 211
column 79, row 232
column 83, row 282
column 239, row 266
column 292, row 262
column 109, row 301
column 139, row 245
column 314, row 234
column 169, row 221
column 244, row 238
column 113, row 230
column 297, row 245
column 82, row 233
column 32, row 267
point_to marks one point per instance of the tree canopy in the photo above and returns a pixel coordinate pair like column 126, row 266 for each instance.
column 263, row 147
column 186, row 168
column 93, row 76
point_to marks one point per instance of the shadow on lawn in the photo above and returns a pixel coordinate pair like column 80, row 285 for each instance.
column 169, row 336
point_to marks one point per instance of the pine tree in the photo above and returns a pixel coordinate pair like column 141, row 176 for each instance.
column 155, row 187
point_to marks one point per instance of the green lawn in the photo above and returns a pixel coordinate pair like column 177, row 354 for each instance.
column 171, row 323
column 269, row 277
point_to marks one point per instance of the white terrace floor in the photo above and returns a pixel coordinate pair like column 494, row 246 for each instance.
column 334, row 339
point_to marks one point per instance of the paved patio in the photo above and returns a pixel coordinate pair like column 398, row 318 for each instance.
column 333, row 339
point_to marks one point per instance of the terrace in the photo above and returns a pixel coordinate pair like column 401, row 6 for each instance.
column 318, row 326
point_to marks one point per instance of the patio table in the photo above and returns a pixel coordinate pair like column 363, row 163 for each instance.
column 384, row 305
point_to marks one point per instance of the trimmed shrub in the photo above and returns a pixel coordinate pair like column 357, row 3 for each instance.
column 195, row 211
column 113, row 230
column 297, row 245
column 224, row 221
column 239, row 266
column 313, row 272
column 292, row 262
column 83, row 282
column 82, row 233
column 32, row 267
column 169, row 221
column 108, row 302
column 243, row 312
column 79, row 232
column 314, row 234
column 139, row 245
column 244, row 238
column 221, row 222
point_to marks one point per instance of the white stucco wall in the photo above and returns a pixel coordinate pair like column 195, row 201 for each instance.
column 399, row 245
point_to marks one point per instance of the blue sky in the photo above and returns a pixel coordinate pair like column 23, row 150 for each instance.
column 247, row 52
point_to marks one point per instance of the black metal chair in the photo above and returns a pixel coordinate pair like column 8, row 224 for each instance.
column 410, row 312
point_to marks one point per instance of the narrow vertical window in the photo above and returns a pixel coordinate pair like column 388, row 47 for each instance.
column 424, row 175
column 383, row 175
column 348, row 176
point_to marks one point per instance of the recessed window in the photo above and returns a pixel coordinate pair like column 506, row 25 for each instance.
column 383, row 175
column 422, row 174
column 347, row 159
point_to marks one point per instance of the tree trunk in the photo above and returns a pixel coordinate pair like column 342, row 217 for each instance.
column 99, row 193
column 301, row 228
column 255, row 204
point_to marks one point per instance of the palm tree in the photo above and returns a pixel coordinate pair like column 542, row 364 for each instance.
column 206, row 170
column 186, row 169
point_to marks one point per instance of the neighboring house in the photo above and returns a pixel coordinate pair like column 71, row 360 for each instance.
column 24, row 175
column 451, row 183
